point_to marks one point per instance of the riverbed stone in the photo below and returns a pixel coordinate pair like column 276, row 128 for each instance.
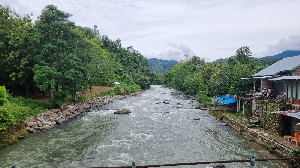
column 122, row 111
column 30, row 124
column 67, row 113
column 46, row 123
column 60, row 121
column 46, row 126
column 39, row 124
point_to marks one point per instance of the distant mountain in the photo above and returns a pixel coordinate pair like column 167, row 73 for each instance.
column 268, row 60
column 285, row 54
column 161, row 66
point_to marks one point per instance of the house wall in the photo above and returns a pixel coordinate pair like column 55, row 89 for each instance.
column 265, row 84
column 292, row 88
column 296, row 72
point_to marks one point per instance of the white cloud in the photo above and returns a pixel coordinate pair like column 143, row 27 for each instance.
column 213, row 29
column 290, row 43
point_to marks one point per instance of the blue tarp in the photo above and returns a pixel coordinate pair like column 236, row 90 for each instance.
column 225, row 99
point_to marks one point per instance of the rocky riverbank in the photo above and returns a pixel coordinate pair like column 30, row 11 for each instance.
column 275, row 145
column 53, row 117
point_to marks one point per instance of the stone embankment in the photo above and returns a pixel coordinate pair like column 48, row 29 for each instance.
column 54, row 117
column 259, row 136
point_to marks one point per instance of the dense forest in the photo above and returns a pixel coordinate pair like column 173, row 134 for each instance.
column 54, row 57
column 210, row 79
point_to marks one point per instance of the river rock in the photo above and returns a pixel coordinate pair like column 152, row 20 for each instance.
column 179, row 106
column 46, row 123
column 122, row 111
column 39, row 124
column 60, row 121
column 46, row 126
column 30, row 124
column 166, row 102
column 67, row 113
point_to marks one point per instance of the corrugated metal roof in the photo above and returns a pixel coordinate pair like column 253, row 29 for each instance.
column 285, row 64
column 286, row 78
column 291, row 113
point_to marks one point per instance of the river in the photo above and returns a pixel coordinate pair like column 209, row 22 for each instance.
column 161, row 129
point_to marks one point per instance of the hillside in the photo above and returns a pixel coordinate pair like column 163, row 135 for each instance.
column 161, row 66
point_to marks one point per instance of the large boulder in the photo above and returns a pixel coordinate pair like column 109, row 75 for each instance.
column 122, row 111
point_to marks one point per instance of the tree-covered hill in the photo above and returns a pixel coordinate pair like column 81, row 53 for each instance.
column 161, row 66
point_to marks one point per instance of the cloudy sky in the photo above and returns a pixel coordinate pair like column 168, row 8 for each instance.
column 168, row 29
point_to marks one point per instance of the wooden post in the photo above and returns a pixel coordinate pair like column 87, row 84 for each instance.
column 254, row 86
column 244, row 107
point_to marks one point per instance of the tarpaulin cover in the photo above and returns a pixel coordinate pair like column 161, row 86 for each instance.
column 225, row 99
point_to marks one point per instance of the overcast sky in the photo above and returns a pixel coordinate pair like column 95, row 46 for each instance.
column 168, row 29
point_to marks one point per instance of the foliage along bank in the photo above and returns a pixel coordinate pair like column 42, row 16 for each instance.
column 56, row 58
column 210, row 79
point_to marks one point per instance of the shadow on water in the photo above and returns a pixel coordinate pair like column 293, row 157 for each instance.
column 162, row 128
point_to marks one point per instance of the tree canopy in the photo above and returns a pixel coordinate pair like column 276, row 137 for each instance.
column 195, row 76
column 55, row 57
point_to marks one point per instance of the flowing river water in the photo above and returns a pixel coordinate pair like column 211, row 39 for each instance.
column 161, row 129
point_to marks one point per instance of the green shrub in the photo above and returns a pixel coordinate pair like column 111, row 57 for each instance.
column 59, row 98
column 3, row 95
column 6, row 119
column 204, row 99
column 131, row 88
column 117, row 90
column 294, row 153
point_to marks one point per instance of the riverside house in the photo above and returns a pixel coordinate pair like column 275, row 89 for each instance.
column 281, row 82
column 282, row 78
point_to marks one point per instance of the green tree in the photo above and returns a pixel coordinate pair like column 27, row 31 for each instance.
column 64, row 55
column 243, row 55
column 12, row 29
